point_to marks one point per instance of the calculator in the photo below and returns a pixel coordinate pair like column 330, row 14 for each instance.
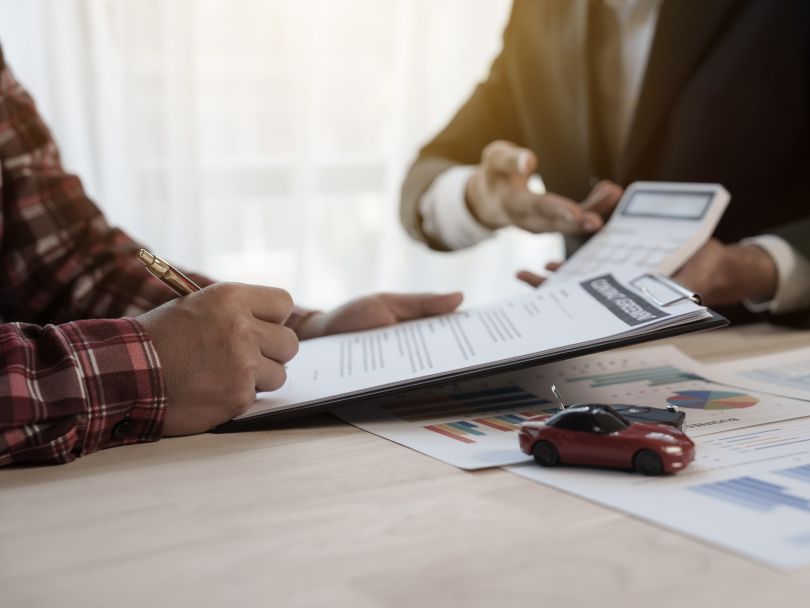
column 657, row 227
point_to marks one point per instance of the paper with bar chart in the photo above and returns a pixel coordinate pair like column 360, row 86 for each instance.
column 472, row 425
column 786, row 373
column 659, row 376
column 747, row 491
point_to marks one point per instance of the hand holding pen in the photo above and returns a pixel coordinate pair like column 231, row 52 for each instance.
column 217, row 346
column 220, row 344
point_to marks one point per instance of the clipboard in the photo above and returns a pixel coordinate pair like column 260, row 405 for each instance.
column 659, row 290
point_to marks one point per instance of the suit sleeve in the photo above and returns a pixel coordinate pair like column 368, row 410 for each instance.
column 797, row 234
column 488, row 115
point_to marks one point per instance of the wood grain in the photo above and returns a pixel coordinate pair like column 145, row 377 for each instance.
column 317, row 513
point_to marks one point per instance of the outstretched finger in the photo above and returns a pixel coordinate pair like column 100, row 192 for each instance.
column 417, row 305
column 543, row 212
column 527, row 276
column 508, row 158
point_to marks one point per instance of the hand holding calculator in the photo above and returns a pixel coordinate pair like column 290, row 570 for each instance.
column 657, row 227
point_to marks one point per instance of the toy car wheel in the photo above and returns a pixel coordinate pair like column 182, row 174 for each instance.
column 648, row 462
column 545, row 454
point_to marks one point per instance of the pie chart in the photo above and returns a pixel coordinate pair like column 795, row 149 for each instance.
column 711, row 400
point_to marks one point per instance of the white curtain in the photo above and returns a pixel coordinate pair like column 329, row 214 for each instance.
column 265, row 141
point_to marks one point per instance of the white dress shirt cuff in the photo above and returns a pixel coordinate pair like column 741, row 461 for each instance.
column 445, row 215
column 793, row 276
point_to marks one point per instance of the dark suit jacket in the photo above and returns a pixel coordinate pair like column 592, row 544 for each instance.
column 725, row 98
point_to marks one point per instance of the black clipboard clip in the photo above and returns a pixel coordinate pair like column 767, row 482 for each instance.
column 682, row 293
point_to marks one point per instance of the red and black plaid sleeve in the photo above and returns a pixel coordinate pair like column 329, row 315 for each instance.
column 74, row 376
column 60, row 260
column 71, row 389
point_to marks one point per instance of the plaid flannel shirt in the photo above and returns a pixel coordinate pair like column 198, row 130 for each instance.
column 75, row 376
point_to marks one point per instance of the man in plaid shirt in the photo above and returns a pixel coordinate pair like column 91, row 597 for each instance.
column 96, row 353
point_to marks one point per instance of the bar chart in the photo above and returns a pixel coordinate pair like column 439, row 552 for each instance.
column 712, row 400
column 801, row 473
column 755, row 494
column 748, row 490
column 794, row 375
column 664, row 377
column 466, row 431
column 653, row 376
column 771, row 438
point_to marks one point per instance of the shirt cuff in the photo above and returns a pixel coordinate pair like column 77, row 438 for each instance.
column 444, row 212
column 120, row 374
column 793, row 276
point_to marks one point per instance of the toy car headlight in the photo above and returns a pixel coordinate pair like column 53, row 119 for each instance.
column 672, row 449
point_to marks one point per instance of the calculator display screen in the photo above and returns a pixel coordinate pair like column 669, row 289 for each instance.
column 675, row 205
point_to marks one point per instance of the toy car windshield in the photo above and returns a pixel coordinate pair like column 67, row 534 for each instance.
column 588, row 417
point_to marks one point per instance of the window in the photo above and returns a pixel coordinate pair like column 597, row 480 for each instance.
column 276, row 133
column 576, row 421
column 608, row 422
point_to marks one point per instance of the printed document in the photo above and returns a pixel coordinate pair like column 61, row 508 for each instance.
column 786, row 373
column 747, row 491
column 577, row 313
column 474, row 424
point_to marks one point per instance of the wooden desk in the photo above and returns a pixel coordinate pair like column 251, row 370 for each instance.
column 322, row 514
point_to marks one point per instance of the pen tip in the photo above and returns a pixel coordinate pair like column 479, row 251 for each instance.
column 146, row 257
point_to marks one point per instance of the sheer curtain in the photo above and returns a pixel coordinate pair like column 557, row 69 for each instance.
column 271, row 135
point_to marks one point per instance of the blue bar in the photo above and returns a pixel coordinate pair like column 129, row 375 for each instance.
column 756, row 494
column 777, row 445
column 801, row 473
column 746, row 436
column 463, row 427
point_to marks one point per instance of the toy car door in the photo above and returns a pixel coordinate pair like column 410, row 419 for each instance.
column 578, row 441
column 615, row 449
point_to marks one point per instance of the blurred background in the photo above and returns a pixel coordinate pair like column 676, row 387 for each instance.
column 274, row 133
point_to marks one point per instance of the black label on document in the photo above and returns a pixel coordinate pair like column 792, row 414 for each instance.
column 628, row 306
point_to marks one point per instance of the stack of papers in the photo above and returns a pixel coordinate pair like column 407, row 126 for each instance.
column 472, row 425
column 748, row 489
column 563, row 321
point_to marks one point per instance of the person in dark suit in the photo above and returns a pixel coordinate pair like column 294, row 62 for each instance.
column 596, row 94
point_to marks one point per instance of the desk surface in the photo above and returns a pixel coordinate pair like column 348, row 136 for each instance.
column 320, row 513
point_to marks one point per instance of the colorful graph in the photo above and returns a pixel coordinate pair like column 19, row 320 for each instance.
column 793, row 375
column 462, row 403
column 753, row 494
column 466, row 431
column 462, row 431
column 653, row 376
column 802, row 473
column 767, row 439
column 711, row 400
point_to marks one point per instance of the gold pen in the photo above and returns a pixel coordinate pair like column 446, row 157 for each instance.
column 173, row 278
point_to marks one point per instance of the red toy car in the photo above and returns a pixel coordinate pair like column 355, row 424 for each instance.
column 597, row 435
